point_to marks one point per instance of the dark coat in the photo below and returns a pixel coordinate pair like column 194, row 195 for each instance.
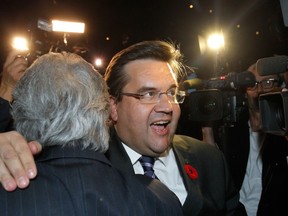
column 72, row 181
column 6, row 122
column 212, row 193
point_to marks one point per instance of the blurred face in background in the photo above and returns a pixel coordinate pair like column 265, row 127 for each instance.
column 263, row 84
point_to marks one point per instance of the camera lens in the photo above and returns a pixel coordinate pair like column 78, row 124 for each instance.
column 208, row 105
column 273, row 112
column 279, row 116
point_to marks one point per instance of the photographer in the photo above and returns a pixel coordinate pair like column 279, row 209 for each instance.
column 258, row 160
column 13, row 69
column 256, row 186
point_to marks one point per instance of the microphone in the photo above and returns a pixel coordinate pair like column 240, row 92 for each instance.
column 230, row 81
column 272, row 65
column 242, row 80
column 195, row 83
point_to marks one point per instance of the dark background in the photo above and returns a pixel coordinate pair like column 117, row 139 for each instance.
column 128, row 21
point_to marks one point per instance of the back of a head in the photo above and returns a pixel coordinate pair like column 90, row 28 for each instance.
column 61, row 100
column 159, row 50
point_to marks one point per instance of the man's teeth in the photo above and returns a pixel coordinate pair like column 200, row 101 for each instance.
column 160, row 123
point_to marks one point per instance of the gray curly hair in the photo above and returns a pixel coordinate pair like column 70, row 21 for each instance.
column 62, row 100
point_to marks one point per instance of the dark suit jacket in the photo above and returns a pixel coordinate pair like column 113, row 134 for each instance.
column 5, row 117
column 274, row 197
column 211, row 194
column 79, row 182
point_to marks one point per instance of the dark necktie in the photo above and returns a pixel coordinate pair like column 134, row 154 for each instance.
column 147, row 164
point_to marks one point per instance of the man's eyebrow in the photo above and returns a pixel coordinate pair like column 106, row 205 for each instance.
column 147, row 88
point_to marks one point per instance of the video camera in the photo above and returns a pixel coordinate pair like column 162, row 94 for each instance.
column 48, row 36
column 273, row 106
column 219, row 99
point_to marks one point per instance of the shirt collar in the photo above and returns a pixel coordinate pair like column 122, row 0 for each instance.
column 134, row 156
column 165, row 157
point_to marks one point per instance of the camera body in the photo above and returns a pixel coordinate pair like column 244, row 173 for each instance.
column 274, row 105
column 220, row 99
column 214, row 105
column 274, row 112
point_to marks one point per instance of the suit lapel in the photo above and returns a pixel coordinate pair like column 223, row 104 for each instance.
column 117, row 154
column 192, row 185
column 194, row 201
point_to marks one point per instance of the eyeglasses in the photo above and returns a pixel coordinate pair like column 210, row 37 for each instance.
column 265, row 84
column 174, row 96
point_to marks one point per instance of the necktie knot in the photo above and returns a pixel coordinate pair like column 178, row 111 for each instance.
column 147, row 164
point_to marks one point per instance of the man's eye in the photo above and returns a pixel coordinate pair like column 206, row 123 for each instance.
column 266, row 82
column 149, row 94
column 171, row 93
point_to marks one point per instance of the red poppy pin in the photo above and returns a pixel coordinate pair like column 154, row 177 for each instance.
column 191, row 171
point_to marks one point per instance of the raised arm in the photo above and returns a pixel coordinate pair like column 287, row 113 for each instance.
column 13, row 69
column 16, row 160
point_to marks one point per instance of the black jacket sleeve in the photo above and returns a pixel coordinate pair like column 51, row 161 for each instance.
column 6, row 122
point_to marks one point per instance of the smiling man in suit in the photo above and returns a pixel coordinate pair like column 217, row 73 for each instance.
column 145, row 97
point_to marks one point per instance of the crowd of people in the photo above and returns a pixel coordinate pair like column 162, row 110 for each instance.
column 57, row 116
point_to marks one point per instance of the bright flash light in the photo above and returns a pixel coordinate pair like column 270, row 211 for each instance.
column 216, row 41
column 98, row 62
column 20, row 43
column 68, row 27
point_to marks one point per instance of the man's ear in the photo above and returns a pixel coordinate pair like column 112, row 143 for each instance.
column 113, row 105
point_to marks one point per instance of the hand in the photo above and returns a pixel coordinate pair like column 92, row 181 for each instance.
column 13, row 69
column 208, row 135
column 17, row 164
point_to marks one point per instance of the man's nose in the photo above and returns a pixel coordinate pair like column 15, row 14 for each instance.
column 164, row 104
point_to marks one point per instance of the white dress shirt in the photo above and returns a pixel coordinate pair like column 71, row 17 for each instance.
column 166, row 170
column 251, row 189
